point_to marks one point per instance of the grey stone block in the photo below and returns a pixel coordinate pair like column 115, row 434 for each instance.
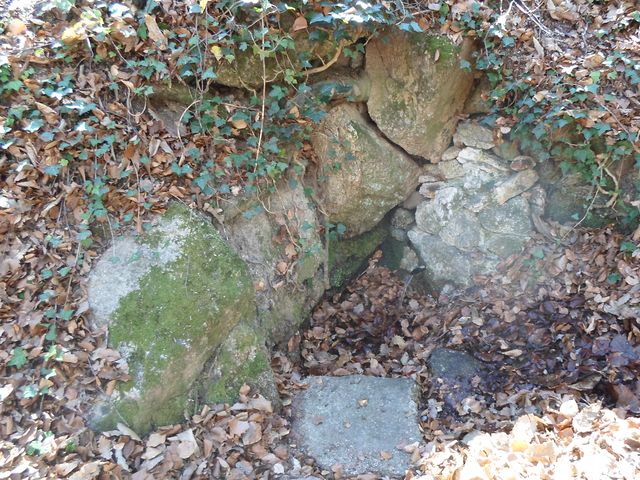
column 358, row 422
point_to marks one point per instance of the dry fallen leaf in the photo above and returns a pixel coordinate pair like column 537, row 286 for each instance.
column 300, row 23
column 154, row 31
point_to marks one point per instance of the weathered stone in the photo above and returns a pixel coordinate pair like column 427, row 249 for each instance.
column 281, row 310
column 462, row 231
column 511, row 218
column 169, row 299
column 430, row 216
column 503, row 244
column 445, row 170
column 354, row 159
column 357, row 422
column 451, row 153
column 515, row 185
column 402, row 218
column 415, row 99
column 474, row 214
column 480, row 168
column 489, row 162
column 409, row 260
column 443, row 262
column 471, row 134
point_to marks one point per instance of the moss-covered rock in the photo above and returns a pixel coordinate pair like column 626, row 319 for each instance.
column 417, row 89
column 347, row 257
column 242, row 358
column 169, row 298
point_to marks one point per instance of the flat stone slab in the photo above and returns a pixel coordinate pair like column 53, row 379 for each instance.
column 358, row 422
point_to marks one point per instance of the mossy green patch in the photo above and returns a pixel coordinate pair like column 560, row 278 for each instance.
column 242, row 359
column 437, row 43
column 347, row 257
column 171, row 325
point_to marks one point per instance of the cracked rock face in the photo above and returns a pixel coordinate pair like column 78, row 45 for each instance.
column 363, row 176
column 417, row 89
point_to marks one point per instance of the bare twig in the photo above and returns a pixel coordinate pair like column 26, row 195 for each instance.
column 322, row 68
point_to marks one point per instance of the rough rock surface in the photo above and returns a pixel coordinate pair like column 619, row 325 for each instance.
column 169, row 299
column 417, row 90
column 364, row 175
column 283, row 301
column 471, row 134
column 474, row 213
column 357, row 422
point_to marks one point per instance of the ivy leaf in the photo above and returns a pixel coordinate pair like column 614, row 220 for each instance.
column 29, row 391
column 18, row 359
column 465, row 65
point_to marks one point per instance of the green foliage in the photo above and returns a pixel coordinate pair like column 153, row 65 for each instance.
column 565, row 120
column 18, row 359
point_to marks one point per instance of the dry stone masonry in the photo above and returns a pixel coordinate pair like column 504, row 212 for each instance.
column 475, row 211
column 194, row 305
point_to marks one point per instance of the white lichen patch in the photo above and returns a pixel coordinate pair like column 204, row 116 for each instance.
column 129, row 259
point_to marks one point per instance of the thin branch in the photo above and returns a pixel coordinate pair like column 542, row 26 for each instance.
column 322, row 68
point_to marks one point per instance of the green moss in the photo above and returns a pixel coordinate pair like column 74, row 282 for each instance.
column 433, row 43
column 241, row 359
column 347, row 257
column 170, row 326
column 226, row 389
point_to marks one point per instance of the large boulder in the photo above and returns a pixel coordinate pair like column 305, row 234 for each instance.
column 169, row 299
column 362, row 176
column 417, row 89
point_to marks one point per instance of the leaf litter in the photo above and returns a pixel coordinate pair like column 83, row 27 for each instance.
column 561, row 328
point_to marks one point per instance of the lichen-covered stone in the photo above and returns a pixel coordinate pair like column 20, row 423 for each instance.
column 362, row 175
column 472, row 134
column 515, row 185
column 169, row 299
column 444, row 263
column 512, row 218
column 473, row 216
column 415, row 97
